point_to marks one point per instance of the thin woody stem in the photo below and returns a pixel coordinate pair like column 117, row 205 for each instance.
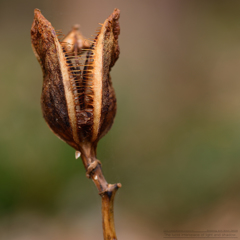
column 107, row 193
column 107, row 212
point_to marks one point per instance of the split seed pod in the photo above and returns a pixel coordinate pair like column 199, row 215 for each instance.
column 78, row 104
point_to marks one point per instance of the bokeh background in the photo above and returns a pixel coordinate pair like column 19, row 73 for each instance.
column 175, row 143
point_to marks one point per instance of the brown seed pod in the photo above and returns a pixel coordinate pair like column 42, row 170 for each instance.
column 79, row 105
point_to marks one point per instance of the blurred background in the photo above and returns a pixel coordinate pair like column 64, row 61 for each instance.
column 175, row 143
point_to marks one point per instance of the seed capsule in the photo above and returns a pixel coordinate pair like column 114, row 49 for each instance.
column 78, row 104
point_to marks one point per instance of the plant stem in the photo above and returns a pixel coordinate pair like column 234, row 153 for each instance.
column 107, row 212
column 107, row 193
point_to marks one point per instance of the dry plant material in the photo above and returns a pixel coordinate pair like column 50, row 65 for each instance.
column 78, row 100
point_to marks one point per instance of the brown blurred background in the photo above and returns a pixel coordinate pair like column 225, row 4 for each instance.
column 175, row 143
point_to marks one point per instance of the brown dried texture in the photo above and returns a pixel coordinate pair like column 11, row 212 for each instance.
column 80, row 107
column 110, row 56
column 107, row 41
column 53, row 101
column 54, row 104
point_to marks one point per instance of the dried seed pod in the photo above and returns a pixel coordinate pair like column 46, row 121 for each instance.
column 79, row 105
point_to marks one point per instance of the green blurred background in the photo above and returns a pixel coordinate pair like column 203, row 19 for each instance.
column 175, row 143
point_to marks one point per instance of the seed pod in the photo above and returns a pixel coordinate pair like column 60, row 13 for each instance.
column 79, row 105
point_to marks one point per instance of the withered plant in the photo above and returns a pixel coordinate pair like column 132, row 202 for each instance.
column 78, row 100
